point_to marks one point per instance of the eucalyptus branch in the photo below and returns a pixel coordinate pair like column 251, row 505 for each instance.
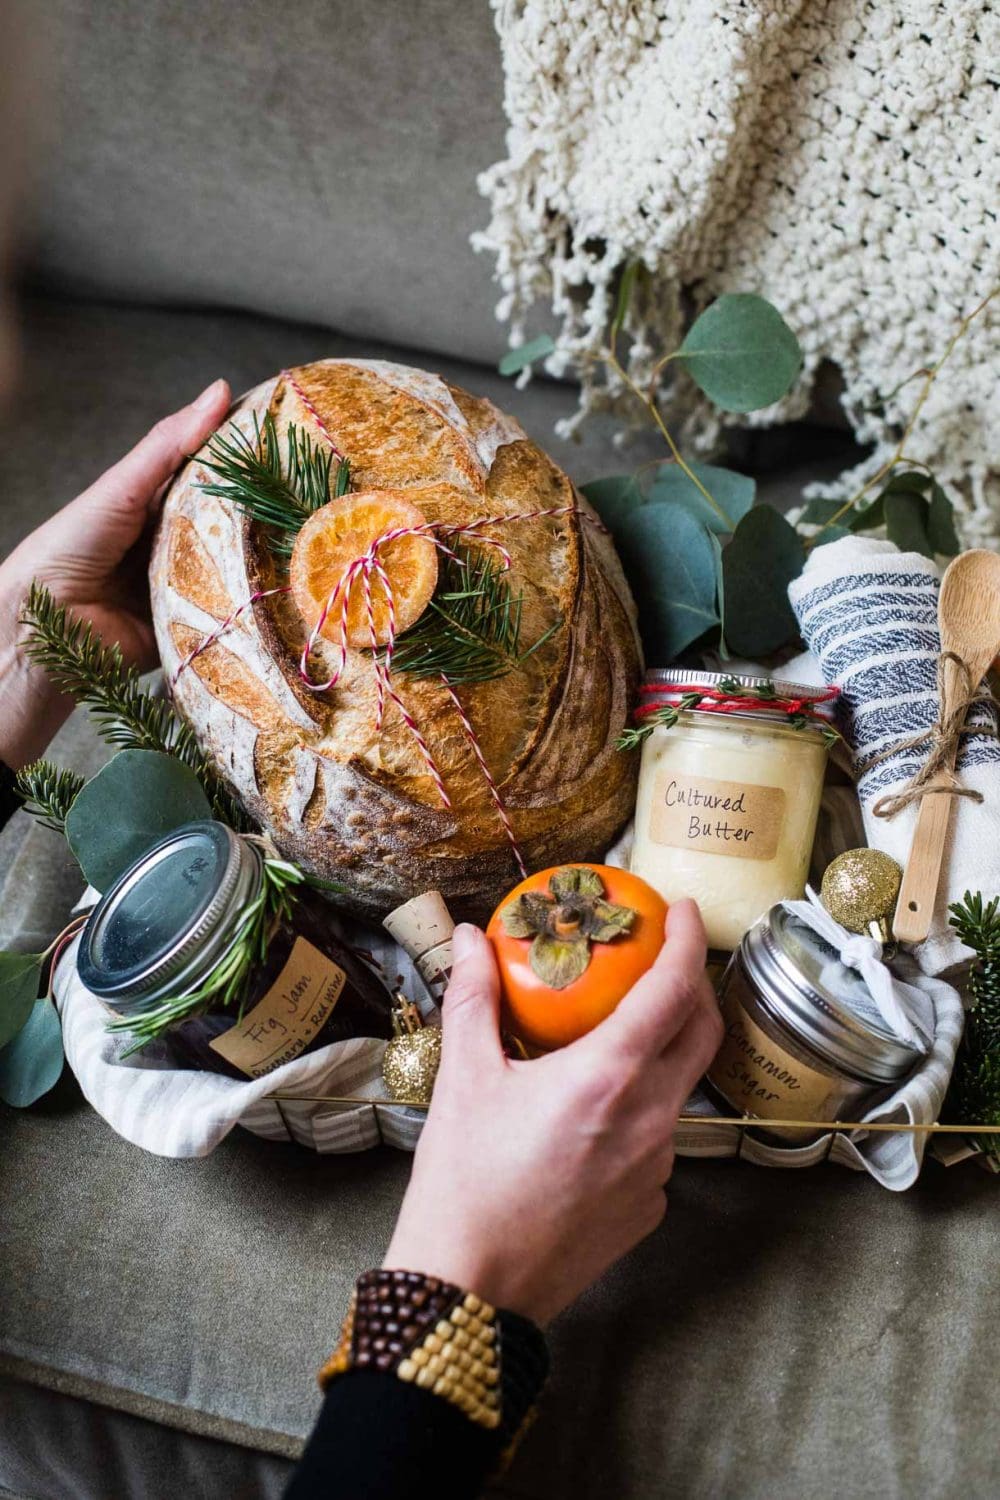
column 95, row 675
column 929, row 376
column 651, row 406
column 48, row 792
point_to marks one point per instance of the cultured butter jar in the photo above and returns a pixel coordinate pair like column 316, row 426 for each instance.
column 174, row 915
column 727, row 804
column 803, row 1038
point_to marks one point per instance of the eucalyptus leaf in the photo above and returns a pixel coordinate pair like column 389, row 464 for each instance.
column 20, row 975
column 819, row 512
column 30, row 1065
column 906, row 516
column 132, row 802
column 733, row 493
column 613, row 498
column 625, row 289
column 909, row 482
column 871, row 517
column 941, row 531
column 720, row 597
column 741, row 353
column 830, row 534
column 516, row 360
column 760, row 562
column 669, row 560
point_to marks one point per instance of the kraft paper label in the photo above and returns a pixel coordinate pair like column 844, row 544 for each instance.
column 716, row 817
column 759, row 1077
column 285, row 1021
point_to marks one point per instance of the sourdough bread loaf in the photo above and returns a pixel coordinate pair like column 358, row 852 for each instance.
column 357, row 804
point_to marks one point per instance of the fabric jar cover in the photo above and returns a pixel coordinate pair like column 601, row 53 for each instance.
column 868, row 614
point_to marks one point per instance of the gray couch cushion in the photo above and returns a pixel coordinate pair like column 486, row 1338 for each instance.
column 786, row 1336
column 317, row 162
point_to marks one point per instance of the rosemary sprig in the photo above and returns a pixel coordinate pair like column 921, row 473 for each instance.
column 94, row 674
column 280, row 496
column 48, row 792
column 471, row 629
column 974, row 1094
column 227, row 983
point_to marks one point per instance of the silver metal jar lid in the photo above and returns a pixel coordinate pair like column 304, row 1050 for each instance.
column 672, row 679
column 169, row 918
column 802, row 983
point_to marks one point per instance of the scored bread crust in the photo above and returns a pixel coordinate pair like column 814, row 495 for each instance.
column 358, row 805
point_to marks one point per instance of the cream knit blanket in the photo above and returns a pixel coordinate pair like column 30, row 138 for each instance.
column 841, row 157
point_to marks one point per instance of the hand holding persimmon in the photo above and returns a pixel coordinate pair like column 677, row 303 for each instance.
column 570, row 942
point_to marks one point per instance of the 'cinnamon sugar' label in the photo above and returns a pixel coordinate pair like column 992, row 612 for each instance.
column 284, row 1022
column 716, row 817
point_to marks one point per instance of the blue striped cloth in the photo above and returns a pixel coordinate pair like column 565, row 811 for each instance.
column 868, row 613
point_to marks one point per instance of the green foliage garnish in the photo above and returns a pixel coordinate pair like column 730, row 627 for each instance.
column 227, row 984
column 94, row 674
column 48, row 792
column 741, row 353
column 471, row 629
column 279, row 495
column 974, row 1095
column 766, row 692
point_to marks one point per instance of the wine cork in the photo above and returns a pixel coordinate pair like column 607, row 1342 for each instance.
column 423, row 927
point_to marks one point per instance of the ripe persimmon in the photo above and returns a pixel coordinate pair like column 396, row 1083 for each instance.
column 569, row 943
column 338, row 534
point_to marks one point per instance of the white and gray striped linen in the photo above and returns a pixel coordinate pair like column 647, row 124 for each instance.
column 869, row 616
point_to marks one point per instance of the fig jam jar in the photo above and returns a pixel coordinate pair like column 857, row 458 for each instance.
column 804, row 1039
column 175, row 914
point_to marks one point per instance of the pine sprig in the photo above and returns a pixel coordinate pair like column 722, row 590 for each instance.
column 634, row 736
column 279, row 495
column 227, row 984
column 471, row 629
column 974, row 1095
column 94, row 674
column 48, row 792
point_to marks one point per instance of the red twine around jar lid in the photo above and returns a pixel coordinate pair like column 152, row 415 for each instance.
column 716, row 700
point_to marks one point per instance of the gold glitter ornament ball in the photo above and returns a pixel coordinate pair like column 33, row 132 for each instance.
column 860, row 887
column 410, row 1064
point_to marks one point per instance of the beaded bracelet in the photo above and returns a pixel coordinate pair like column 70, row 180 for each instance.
column 489, row 1363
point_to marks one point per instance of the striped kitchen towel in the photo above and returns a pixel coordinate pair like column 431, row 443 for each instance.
column 868, row 613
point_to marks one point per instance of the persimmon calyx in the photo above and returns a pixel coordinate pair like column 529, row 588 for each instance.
column 563, row 922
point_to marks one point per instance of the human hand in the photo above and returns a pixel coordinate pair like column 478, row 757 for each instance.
column 531, row 1178
column 89, row 556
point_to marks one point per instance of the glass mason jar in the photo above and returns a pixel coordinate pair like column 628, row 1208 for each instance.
column 727, row 806
column 803, row 1038
column 167, row 922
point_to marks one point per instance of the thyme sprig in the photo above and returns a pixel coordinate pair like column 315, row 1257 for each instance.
column 471, row 629
column 974, row 1094
column 279, row 494
column 96, row 675
column 227, row 983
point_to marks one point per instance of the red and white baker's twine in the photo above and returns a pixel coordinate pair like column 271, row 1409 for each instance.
column 363, row 568
column 714, row 700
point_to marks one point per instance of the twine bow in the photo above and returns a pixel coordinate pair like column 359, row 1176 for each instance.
column 942, row 738
column 906, row 1011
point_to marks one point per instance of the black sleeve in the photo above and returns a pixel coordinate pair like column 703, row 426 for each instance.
column 381, row 1438
column 378, row 1438
column 9, row 800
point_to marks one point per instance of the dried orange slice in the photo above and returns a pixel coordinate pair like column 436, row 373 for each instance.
column 337, row 535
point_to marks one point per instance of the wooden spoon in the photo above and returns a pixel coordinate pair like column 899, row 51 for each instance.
column 969, row 623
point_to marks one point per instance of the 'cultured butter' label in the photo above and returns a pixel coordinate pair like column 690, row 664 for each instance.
column 284, row 1022
column 716, row 817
